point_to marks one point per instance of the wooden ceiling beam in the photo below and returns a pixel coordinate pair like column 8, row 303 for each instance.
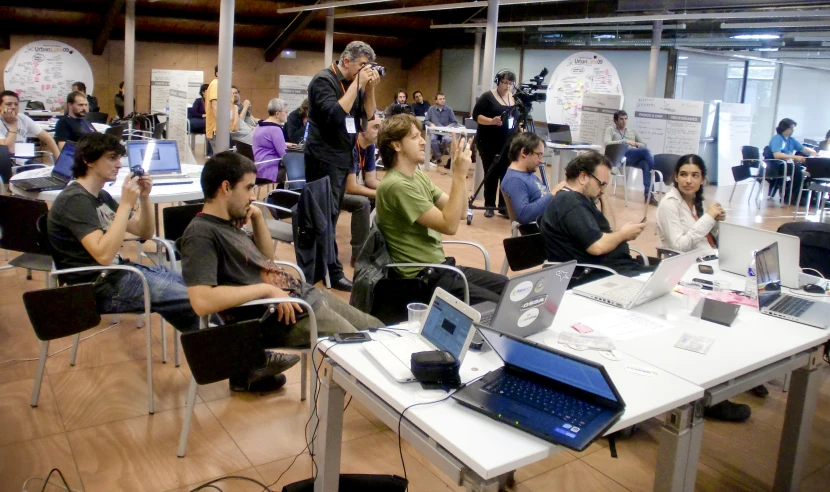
column 113, row 15
column 296, row 25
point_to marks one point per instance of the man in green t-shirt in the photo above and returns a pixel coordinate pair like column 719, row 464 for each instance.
column 413, row 213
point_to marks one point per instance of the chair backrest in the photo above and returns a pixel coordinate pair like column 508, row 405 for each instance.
column 176, row 219
column 96, row 117
column 282, row 198
column 525, row 251
column 117, row 131
column 740, row 173
column 216, row 353
column 62, row 311
column 5, row 164
column 244, row 149
column 294, row 164
column 768, row 153
column 665, row 163
column 818, row 167
column 18, row 219
column 750, row 152
column 158, row 131
column 615, row 153
column 507, row 201
column 815, row 244
column 35, row 105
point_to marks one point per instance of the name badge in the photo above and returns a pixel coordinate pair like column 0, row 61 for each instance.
column 509, row 123
column 350, row 128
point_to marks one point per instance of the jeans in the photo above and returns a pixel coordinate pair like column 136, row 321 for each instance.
column 440, row 143
column 491, row 184
column 484, row 285
column 643, row 159
column 316, row 169
column 360, row 208
column 776, row 185
column 197, row 125
column 168, row 295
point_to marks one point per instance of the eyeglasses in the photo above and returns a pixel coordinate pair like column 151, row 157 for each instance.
column 540, row 155
column 602, row 184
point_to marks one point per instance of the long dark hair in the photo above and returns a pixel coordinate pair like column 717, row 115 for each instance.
column 697, row 161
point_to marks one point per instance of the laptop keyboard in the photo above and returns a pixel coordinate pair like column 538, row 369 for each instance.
column 36, row 183
column 567, row 408
column 157, row 177
column 625, row 294
column 405, row 346
column 486, row 318
column 792, row 306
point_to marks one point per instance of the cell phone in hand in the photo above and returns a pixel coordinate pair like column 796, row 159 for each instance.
column 352, row 337
column 137, row 170
column 706, row 269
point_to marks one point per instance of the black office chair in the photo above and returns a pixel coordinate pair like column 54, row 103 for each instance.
column 515, row 227
column 664, row 165
column 768, row 170
column 176, row 219
column 818, row 170
column 159, row 131
column 96, row 117
column 815, row 245
column 117, row 131
column 616, row 154
column 23, row 229
column 294, row 164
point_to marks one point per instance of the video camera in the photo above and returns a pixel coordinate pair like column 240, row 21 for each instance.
column 402, row 109
column 528, row 93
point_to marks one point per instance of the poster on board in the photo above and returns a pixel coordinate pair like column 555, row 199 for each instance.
column 597, row 115
column 669, row 126
column 579, row 74
column 178, row 100
column 160, row 87
column 293, row 89
column 45, row 71
column 734, row 131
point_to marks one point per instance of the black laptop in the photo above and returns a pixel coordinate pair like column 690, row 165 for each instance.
column 561, row 134
column 553, row 395
column 61, row 173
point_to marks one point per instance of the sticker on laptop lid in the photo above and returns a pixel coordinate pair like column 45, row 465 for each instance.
column 531, row 303
column 528, row 317
column 540, row 284
column 521, row 291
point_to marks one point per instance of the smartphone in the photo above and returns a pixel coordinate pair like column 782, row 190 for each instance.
column 702, row 281
column 137, row 170
column 707, row 258
column 352, row 337
column 708, row 270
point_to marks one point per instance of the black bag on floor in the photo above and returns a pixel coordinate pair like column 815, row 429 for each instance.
column 356, row 483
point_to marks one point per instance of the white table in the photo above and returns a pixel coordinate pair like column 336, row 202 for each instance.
column 441, row 130
column 470, row 448
column 570, row 151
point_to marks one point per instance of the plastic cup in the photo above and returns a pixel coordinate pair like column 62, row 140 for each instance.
column 417, row 315
column 693, row 297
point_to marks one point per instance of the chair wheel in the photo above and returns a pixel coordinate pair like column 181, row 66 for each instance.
column 469, row 217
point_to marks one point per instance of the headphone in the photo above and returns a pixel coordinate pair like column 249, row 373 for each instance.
column 502, row 73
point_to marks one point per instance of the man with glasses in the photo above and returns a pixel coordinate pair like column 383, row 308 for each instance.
column 527, row 194
column 579, row 222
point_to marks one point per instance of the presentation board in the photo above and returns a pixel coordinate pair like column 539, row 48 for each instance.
column 45, row 71
column 293, row 89
column 597, row 115
column 669, row 126
column 734, row 131
column 579, row 74
column 160, row 87
column 178, row 99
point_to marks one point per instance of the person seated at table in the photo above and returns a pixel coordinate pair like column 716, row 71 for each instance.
column 361, row 185
column 579, row 222
column 825, row 144
column 295, row 125
column 413, row 213
column 637, row 155
column 72, row 126
column 440, row 115
column 397, row 105
column 269, row 143
column 90, row 99
column 420, row 107
column 785, row 147
column 196, row 112
column 86, row 227
column 528, row 195
column 119, row 101
column 224, row 266
column 18, row 127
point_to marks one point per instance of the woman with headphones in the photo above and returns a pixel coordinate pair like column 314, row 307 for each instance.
column 494, row 115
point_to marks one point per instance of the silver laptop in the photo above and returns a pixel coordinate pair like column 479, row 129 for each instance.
column 736, row 244
column 448, row 326
column 158, row 158
column 626, row 293
column 773, row 303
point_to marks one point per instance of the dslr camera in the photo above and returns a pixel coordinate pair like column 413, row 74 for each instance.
column 377, row 68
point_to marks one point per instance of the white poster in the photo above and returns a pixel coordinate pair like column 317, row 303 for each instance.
column 45, row 71
column 597, row 115
column 669, row 126
column 734, row 131
column 293, row 89
column 178, row 99
column 160, row 87
column 576, row 76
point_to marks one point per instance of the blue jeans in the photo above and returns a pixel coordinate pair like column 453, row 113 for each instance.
column 168, row 295
column 643, row 159
column 440, row 143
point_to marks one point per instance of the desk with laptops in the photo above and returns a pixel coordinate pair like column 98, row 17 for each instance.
column 561, row 142
column 642, row 378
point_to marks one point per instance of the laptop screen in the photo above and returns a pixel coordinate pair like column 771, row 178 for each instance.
column 559, row 133
column 63, row 166
column 549, row 363
column 154, row 156
column 768, row 275
column 446, row 327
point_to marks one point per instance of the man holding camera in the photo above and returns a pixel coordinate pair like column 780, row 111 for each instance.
column 338, row 98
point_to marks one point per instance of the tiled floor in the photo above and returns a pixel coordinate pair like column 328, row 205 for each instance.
column 92, row 421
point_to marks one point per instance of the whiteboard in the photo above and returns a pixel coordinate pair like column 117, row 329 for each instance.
column 669, row 126
column 597, row 115
column 577, row 75
column 734, row 131
column 293, row 89
column 45, row 71
column 177, row 115
column 160, row 87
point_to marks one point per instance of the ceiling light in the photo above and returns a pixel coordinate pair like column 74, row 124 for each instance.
column 328, row 5
column 682, row 57
column 605, row 36
column 756, row 37
column 774, row 25
column 673, row 27
column 767, row 49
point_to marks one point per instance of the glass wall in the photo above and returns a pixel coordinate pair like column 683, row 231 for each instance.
column 761, row 94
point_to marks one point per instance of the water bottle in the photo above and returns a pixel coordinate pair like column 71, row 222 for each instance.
column 751, row 289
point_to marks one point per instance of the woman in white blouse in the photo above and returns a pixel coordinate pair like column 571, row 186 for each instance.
column 681, row 222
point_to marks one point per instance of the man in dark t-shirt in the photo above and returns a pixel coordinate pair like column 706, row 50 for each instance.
column 573, row 227
column 225, row 266
column 72, row 126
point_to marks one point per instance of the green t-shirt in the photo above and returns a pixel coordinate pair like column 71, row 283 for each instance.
column 400, row 201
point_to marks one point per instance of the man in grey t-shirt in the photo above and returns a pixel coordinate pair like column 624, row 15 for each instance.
column 17, row 128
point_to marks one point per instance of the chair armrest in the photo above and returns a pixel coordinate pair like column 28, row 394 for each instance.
column 257, row 163
column 276, row 300
column 643, row 255
column 475, row 245
column 436, row 265
column 290, row 192
column 167, row 244
column 275, row 207
column 47, row 153
column 294, row 181
column 102, row 268
column 666, row 252
column 292, row 265
column 583, row 265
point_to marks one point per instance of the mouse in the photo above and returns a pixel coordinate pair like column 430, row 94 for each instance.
column 813, row 289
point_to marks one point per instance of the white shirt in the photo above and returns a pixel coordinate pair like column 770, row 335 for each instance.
column 26, row 128
column 678, row 228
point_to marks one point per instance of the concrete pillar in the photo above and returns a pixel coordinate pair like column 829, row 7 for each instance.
column 488, row 69
column 223, row 102
column 129, row 57
column 329, row 46
column 476, row 70
column 656, row 37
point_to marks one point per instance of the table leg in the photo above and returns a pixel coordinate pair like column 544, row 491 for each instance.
column 798, row 421
column 428, row 148
column 156, row 209
column 474, row 483
column 679, row 451
column 329, row 439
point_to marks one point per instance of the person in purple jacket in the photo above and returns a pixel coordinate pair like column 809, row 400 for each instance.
column 269, row 143
column 528, row 195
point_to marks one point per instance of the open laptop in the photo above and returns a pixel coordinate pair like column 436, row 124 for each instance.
column 528, row 302
column 448, row 326
column 736, row 244
column 553, row 395
column 561, row 134
column 773, row 303
column 626, row 293
column 158, row 158
column 60, row 177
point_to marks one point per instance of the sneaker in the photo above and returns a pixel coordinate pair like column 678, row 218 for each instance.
column 728, row 412
column 488, row 212
column 760, row 391
column 275, row 363
column 652, row 201
column 265, row 385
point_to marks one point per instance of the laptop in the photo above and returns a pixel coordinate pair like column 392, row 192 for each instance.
column 448, row 326
column 553, row 395
column 773, row 303
column 528, row 302
column 626, row 293
column 736, row 244
column 60, row 177
column 561, row 134
column 158, row 158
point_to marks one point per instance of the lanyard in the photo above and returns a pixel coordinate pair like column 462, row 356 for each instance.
column 622, row 134
column 338, row 79
column 360, row 156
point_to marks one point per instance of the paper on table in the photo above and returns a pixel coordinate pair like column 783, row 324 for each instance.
column 24, row 149
column 100, row 127
column 626, row 325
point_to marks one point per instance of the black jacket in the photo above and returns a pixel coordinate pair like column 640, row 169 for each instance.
column 314, row 233
column 369, row 269
column 294, row 127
